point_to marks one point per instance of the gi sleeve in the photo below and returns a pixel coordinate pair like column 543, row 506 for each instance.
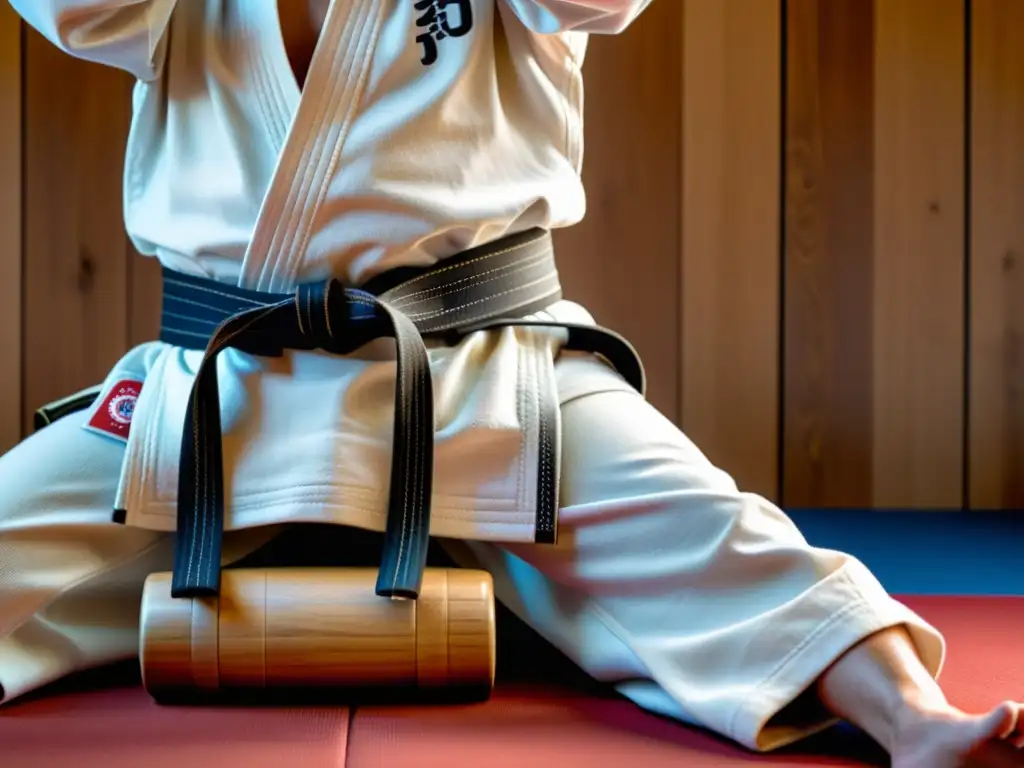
column 127, row 34
column 607, row 17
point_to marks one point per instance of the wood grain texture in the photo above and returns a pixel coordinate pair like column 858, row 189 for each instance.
column 918, row 289
column 10, row 228
column 730, row 236
column 874, row 299
column 76, row 273
column 145, row 291
column 319, row 627
column 996, row 441
column 622, row 261
column 827, row 405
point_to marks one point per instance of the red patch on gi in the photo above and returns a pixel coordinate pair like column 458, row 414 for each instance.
column 114, row 414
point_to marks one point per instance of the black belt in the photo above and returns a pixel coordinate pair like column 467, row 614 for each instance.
column 492, row 286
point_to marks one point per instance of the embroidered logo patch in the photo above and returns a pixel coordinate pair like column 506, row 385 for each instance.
column 114, row 414
column 438, row 20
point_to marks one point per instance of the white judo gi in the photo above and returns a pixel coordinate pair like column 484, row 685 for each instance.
column 424, row 127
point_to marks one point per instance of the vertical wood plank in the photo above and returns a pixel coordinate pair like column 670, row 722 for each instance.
column 730, row 242
column 144, row 297
column 996, row 443
column 827, row 403
column 919, row 254
column 622, row 261
column 10, row 227
column 76, row 278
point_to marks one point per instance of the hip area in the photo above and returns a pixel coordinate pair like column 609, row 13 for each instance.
column 427, row 401
column 307, row 436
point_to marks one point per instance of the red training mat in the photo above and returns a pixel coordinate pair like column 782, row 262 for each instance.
column 119, row 727
column 550, row 727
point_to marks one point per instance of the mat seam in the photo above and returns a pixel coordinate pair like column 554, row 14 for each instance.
column 349, row 732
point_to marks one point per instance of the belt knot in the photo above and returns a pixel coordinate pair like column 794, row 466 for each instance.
column 334, row 318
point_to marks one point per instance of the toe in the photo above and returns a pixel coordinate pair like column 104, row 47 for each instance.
column 1016, row 717
column 1000, row 723
column 1016, row 737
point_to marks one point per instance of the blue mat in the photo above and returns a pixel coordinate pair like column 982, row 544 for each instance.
column 927, row 553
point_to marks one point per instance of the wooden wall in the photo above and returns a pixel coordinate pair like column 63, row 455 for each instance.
column 819, row 207
column 807, row 214
column 10, row 227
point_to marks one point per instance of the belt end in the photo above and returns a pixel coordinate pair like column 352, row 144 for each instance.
column 399, row 586
column 193, row 591
column 198, row 585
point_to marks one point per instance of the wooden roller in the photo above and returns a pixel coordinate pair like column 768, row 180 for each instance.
column 300, row 628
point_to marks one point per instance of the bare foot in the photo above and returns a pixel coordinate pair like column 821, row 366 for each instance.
column 948, row 738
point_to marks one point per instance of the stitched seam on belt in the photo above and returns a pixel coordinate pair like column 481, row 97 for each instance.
column 211, row 354
column 401, row 374
column 489, row 299
column 207, row 288
column 476, row 278
column 484, row 257
column 469, row 290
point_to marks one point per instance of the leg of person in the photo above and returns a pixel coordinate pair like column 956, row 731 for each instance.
column 694, row 599
column 881, row 685
column 70, row 578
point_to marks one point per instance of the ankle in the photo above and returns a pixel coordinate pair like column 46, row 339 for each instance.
column 881, row 686
column 911, row 709
column 916, row 704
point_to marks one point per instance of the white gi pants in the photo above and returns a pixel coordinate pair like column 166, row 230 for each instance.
column 697, row 600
